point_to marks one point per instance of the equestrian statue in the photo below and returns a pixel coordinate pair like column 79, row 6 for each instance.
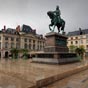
column 56, row 20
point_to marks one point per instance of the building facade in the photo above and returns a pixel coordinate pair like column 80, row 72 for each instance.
column 21, row 38
column 78, row 38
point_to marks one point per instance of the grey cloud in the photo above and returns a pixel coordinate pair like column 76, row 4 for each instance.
column 33, row 13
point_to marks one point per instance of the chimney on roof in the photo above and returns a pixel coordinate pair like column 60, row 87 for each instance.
column 34, row 31
column 4, row 27
column 18, row 28
column 80, row 31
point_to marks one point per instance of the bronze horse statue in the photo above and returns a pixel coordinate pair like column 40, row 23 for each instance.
column 55, row 21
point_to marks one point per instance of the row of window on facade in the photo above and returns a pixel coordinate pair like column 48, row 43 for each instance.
column 79, row 37
column 33, row 47
column 86, row 47
column 81, row 42
column 26, row 46
column 76, row 42
column 25, row 40
column 11, row 38
column 12, row 45
column 31, row 40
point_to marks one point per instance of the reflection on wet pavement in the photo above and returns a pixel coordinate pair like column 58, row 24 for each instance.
column 79, row 80
column 23, row 74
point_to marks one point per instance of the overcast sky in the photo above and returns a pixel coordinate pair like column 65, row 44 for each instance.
column 34, row 13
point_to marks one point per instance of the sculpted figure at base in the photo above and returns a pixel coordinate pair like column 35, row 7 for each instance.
column 56, row 20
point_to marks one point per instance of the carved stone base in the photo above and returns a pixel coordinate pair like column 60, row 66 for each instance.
column 56, row 51
column 55, row 42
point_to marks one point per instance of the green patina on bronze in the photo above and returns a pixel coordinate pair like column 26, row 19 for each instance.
column 61, row 42
column 56, row 20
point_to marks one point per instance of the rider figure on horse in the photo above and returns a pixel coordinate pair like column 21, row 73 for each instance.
column 57, row 14
column 56, row 20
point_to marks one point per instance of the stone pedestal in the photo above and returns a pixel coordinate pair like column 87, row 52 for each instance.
column 55, row 42
column 56, row 50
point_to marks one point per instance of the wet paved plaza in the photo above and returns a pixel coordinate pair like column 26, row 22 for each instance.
column 23, row 74
column 79, row 80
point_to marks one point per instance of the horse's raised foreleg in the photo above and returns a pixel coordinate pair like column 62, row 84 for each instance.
column 53, row 27
column 50, row 27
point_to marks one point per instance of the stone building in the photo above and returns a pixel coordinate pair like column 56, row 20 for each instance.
column 78, row 38
column 21, row 38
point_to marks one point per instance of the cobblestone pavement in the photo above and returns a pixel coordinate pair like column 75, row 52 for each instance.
column 22, row 73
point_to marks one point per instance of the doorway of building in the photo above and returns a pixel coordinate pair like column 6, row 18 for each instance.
column 6, row 54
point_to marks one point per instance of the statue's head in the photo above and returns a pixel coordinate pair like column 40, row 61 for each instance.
column 57, row 7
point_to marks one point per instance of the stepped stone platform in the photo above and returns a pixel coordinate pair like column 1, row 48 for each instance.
column 55, row 51
column 55, row 57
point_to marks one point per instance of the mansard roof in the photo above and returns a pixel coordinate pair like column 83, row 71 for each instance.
column 28, row 29
column 78, row 32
